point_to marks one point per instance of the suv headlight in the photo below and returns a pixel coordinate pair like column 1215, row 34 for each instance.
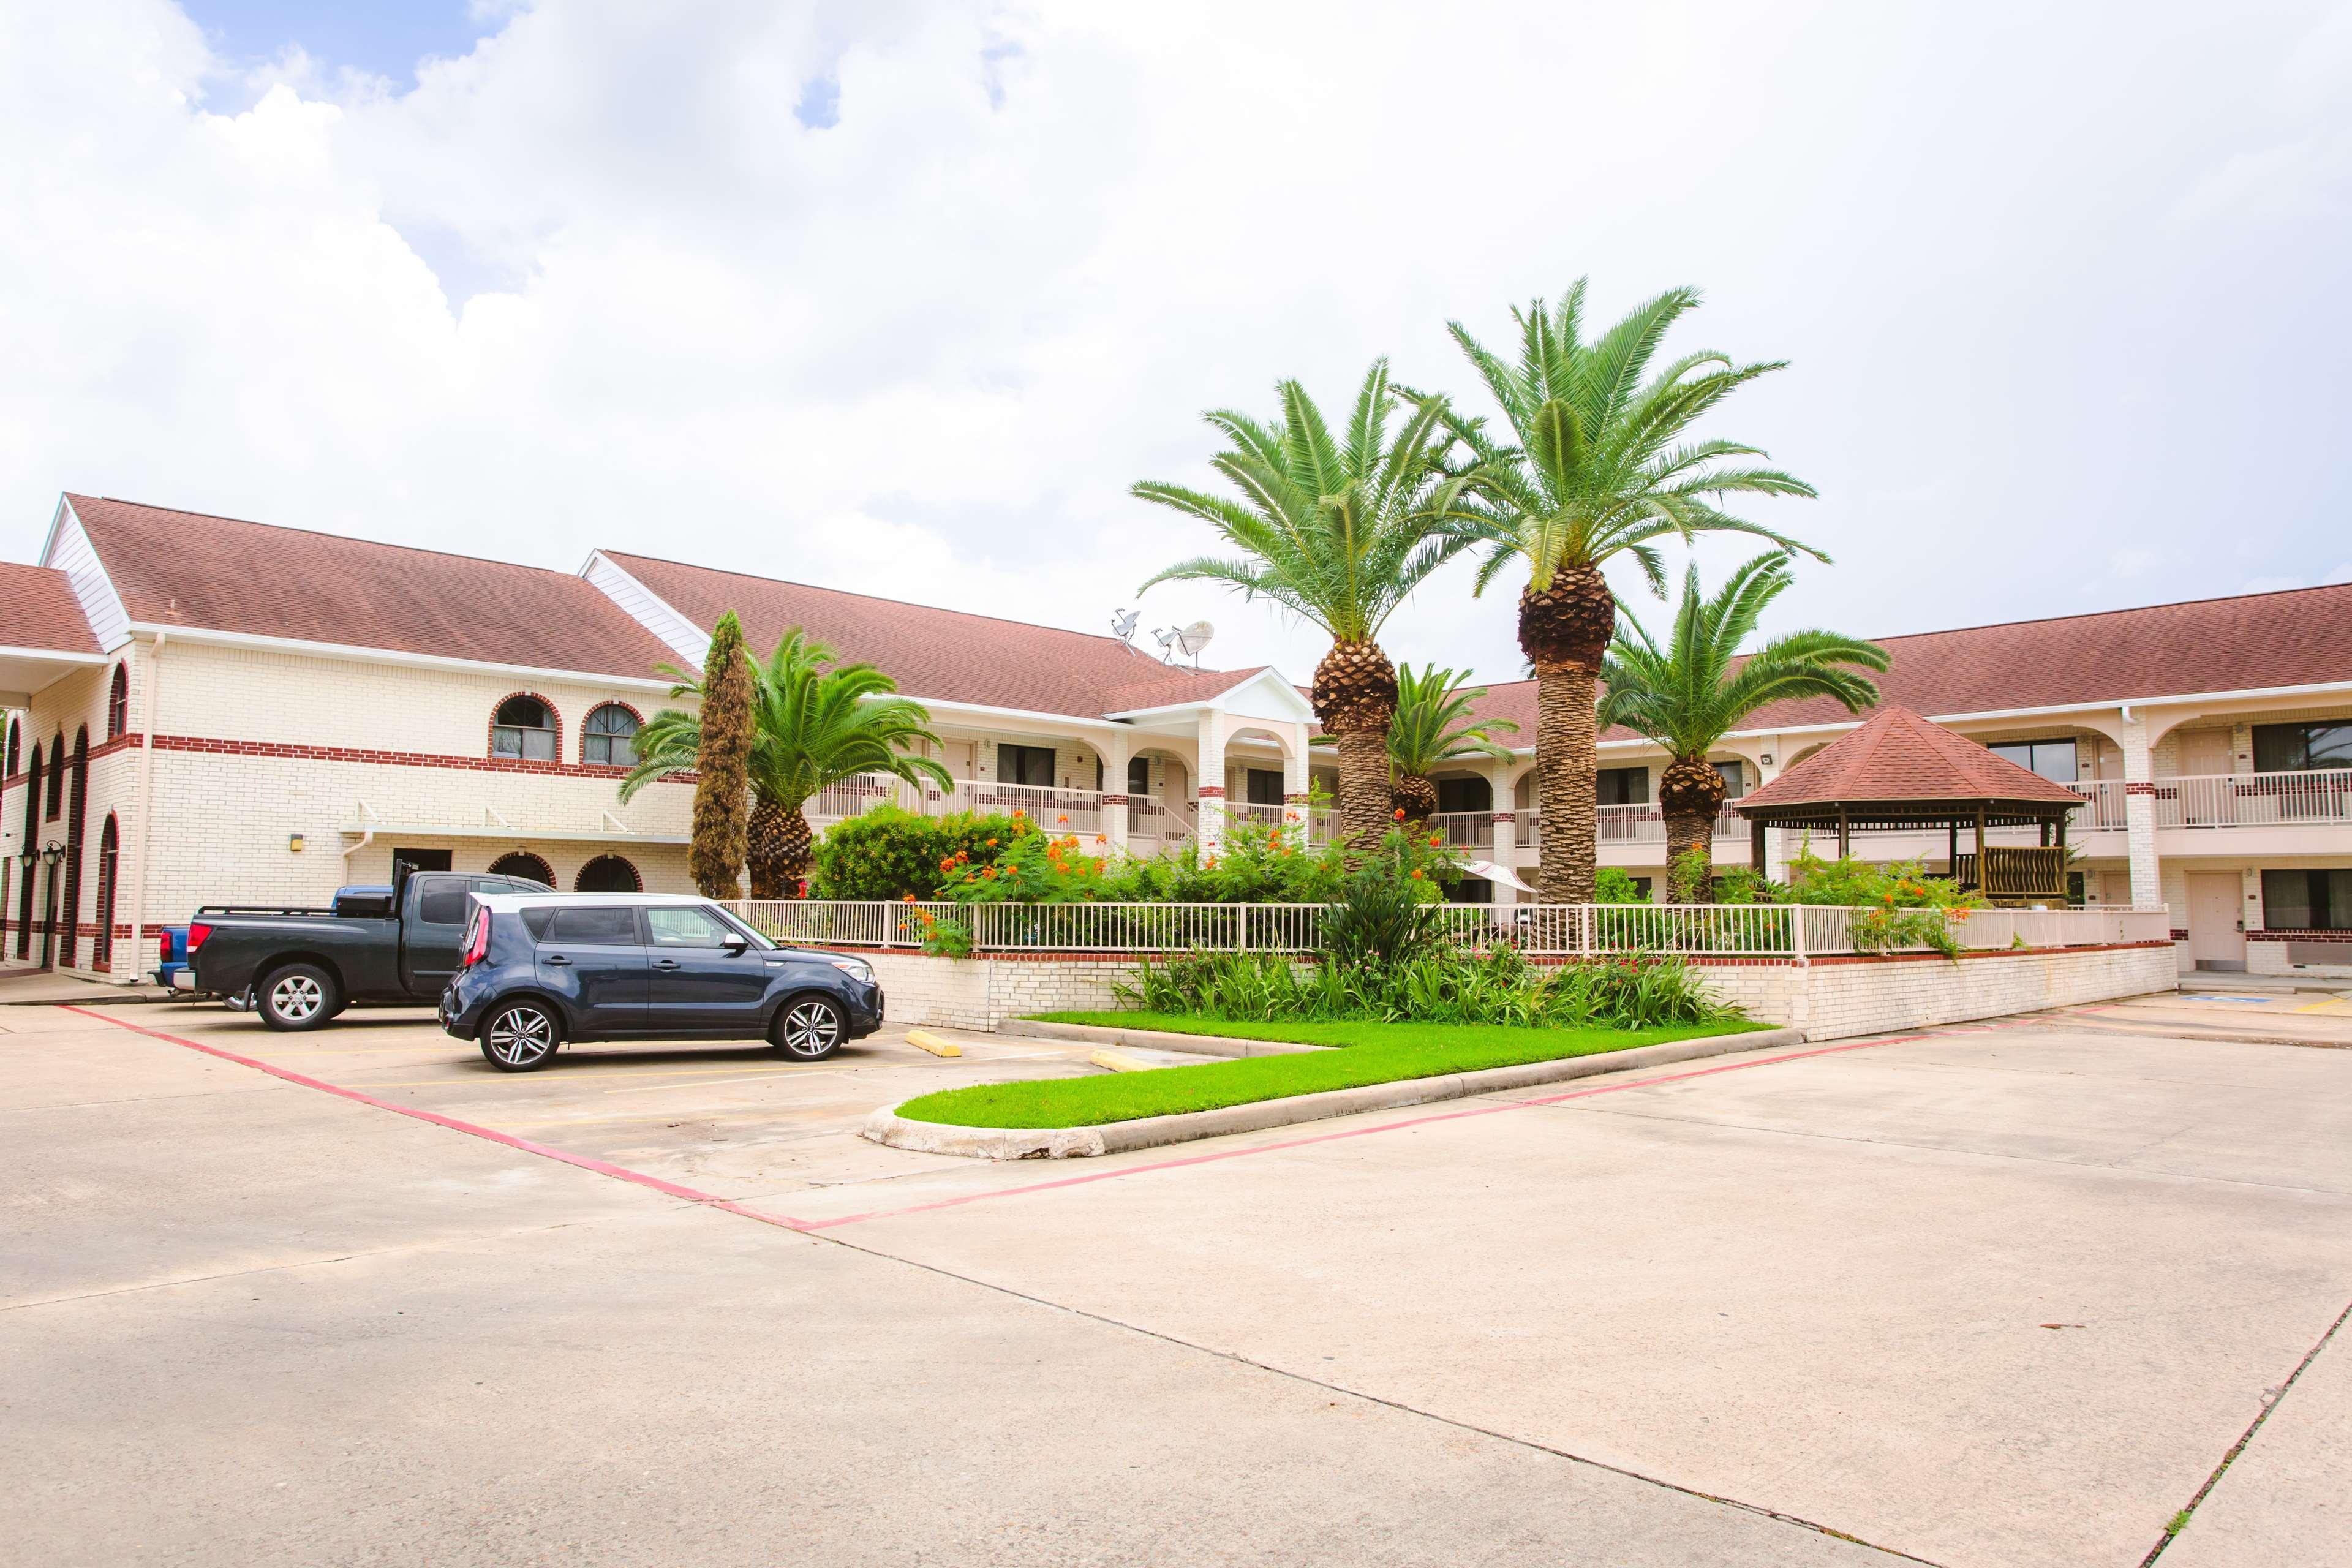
column 855, row 968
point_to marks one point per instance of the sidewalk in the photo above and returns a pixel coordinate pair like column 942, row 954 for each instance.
column 26, row 987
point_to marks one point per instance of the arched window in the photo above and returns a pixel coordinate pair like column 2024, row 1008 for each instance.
column 523, row 727
column 32, row 842
column 608, row 874
column 118, row 702
column 53, row 805
column 109, row 844
column 522, row 863
column 609, row 737
column 69, row 917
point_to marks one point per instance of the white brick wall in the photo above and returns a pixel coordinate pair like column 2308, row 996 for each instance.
column 1828, row 1001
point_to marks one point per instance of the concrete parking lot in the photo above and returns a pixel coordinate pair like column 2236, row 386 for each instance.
column 2005, row 1295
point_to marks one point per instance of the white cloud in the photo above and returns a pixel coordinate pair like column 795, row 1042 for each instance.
column 596, row 282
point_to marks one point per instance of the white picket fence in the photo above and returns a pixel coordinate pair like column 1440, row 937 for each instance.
column 1764, row 930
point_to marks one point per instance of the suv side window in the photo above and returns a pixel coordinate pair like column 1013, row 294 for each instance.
column 442, row 902
column 683, row 925
column 605, row 926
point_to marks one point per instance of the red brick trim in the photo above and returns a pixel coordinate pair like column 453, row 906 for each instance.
column 2136, row 788
column 2275, row 934
column 393, row 759
column 546, row 873
column 1114, row 800
column 1506, row 816
column 1978, row 953
column 1212, row 792
column 2180, row 934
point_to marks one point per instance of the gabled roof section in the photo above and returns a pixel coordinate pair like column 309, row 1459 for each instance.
column 39, row 611
column 935, row 655
column 1898, row 756
column 219, row 574
column 2253, row 642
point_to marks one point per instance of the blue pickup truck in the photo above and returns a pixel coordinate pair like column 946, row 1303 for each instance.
column 297, row 968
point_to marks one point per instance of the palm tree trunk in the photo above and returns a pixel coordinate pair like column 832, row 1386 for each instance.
column 769, row 841
column 1365, row 813
column 1355, row 696
column 1690, row 794
column 1565, row 765
column 1415, row 794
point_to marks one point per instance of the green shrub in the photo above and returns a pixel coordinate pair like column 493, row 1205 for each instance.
column 889, row 852
column 1434, row 987
column 1615, row 885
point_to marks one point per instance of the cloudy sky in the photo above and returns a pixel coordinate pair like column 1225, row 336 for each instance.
column 902, row 297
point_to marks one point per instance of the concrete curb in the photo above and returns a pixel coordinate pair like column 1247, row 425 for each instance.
column 1158, row 1039
column 886, row 1126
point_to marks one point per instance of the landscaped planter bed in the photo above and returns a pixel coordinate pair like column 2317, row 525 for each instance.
column 1389, row 1064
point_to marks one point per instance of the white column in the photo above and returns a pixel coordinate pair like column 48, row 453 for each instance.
column 1506, row 852
column 2139, row 817
column 1210, row 786
column 1114, row 750
column 1294, row 782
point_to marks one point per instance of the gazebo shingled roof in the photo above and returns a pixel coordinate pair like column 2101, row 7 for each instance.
column 1899, row 768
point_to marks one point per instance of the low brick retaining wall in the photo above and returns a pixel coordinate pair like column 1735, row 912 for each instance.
column 1828, row 998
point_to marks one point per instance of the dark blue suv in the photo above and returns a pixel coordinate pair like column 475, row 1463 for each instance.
column 539, row 969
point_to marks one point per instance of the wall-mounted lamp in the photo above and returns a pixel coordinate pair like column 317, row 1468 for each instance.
column 1767, row 759
column 294, row 843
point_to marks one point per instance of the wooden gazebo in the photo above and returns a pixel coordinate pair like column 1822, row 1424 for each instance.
column 1899, row 771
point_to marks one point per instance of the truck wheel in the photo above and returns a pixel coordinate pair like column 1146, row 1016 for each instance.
column 809, row 1028
column 519, row 1037
column 296, row 997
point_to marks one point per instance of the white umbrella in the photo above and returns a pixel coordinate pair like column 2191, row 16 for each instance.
column 1489, row 871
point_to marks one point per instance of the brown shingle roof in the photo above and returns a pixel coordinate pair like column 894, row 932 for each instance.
column 191, row 569
column 2301, row 636
column 1899, row 756
column 38, row 609
column 943, row 655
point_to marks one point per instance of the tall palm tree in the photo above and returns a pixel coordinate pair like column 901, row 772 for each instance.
column 1434, row 724
column 810, row 726
column 1339, row 531
column 1596, row 467
column 1689, row 694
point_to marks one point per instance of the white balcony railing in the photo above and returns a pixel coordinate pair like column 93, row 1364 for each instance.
column 1762, row 930
column 2314, row 798
column 1465, row 829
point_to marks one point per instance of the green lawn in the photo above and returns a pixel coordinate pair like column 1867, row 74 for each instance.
column 1375, row 1052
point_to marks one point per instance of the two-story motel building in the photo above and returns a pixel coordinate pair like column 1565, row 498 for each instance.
column 202, row 710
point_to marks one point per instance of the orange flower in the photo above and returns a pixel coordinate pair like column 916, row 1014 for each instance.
column 1018, row 815
column 1101, row 840
column 991, row 844
column 1061, row 819
column 1399, row 813
column 910, row 897
column 1433, row 841
column 1099, row 866
column 947, row 865
column 1416, row 876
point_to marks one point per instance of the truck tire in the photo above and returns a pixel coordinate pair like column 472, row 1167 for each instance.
column 296, row 997
column 520, row 1035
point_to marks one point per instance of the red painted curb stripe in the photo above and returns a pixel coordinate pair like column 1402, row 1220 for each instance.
column 585, row 1162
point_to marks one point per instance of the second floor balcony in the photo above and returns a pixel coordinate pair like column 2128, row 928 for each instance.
column 2197, row 802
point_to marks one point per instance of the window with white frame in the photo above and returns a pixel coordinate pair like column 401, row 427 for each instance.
column 609, row 737
column 523, row 728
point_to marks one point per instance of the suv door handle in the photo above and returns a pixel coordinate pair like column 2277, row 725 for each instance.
column 666, row 964
column 555, row 958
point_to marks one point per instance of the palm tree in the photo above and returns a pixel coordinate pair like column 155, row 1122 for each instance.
column 1338, row 530
column 1434, row 724
column 1596, row 467
column 1689, row 694
column 810, row 726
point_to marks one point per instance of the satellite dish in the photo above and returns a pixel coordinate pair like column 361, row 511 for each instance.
column 1166, row 636
column 1123, row 624
column 1195, row 637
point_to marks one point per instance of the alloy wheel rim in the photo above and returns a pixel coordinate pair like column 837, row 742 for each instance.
column 810, row 1029
column 521, row 1034
column 296, row 997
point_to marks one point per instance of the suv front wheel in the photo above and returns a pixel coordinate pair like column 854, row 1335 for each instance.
column 809, row 1028
column 519, row 1037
